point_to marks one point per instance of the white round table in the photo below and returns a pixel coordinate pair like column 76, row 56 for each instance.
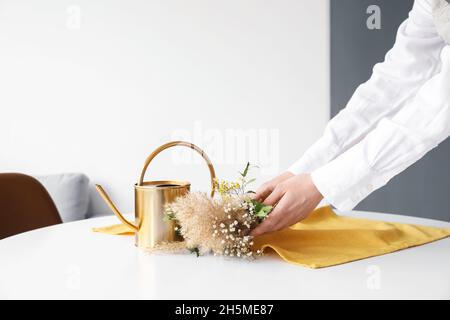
column 69, row 261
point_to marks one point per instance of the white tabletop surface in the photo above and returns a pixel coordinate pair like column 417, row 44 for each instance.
column 70, row 262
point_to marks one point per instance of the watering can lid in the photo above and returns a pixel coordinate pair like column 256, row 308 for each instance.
column 163, row 184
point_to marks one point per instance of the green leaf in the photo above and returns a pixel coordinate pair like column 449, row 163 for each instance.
column 169, row 217
column 250, row 181
column 264, row 211
column 244, row 174
column 258, row 205
column 195, row 250
column 261, row 210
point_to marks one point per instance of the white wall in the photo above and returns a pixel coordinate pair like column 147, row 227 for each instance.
column 94, row 85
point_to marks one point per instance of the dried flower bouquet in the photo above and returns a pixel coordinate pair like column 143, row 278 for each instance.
column 219, row 225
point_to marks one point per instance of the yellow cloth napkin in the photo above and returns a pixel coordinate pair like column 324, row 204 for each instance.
column 325, row 239
column 116, row 229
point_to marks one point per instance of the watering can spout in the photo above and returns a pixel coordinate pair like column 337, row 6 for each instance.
column 114, row 209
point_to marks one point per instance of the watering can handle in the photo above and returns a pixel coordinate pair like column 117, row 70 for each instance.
column 183, row 144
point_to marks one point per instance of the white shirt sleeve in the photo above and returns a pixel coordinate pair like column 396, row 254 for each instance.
column 392, row 146
column 412, row 61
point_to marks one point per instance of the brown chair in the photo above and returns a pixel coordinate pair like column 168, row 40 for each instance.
column 24, row 205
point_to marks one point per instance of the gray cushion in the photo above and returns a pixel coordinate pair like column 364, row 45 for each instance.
column 70, row 192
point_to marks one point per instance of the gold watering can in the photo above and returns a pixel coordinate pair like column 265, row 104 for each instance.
column 151, row 198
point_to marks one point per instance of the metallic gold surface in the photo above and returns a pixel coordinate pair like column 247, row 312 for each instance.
column 183, row 144
column 114, row 209
column 150, row 202
column 151, row 199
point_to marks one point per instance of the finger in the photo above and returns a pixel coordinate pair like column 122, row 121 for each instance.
column 280, row 214
column 265, row 227
column 274, row 197
column 262, row 192
column 275, row 221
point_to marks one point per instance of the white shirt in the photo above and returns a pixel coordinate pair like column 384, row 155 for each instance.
column 392, row 120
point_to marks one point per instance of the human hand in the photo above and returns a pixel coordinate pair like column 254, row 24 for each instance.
column 295, row 197
column 267, row 188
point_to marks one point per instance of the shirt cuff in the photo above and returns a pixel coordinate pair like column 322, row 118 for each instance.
column 317, row 155
column 301, row 166
column 346, row 180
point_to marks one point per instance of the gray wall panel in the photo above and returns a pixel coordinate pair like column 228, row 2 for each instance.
column 424, row 188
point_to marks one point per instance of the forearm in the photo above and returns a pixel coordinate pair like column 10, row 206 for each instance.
column 412, row 61
column 394, row 145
